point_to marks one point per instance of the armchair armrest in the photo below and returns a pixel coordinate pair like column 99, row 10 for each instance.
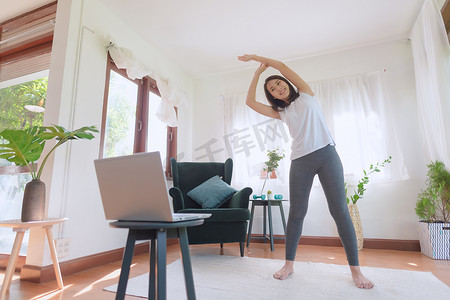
column 240, row 198
column 177, row 199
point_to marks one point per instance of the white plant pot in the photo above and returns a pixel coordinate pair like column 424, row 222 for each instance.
column 435, row 240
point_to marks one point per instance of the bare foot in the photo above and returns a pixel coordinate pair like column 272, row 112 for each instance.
column 285, row 271
column 360, row 280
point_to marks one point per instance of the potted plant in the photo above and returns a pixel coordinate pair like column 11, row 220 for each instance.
column 358, row 193
column 24, row 148
column 433, row 209
column 272, row 164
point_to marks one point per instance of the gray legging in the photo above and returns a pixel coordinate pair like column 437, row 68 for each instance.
column 326, row 163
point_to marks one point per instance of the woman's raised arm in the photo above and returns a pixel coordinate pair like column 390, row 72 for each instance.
column 293, row 77
column 251, row 102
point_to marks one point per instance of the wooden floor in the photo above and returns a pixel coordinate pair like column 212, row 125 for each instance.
column 89, row 284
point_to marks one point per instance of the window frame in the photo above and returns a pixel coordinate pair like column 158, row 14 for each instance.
column 145, row 85
column 27, row 49
column 445, row 11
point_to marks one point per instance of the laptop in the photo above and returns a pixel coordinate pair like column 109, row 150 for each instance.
column 134, row 188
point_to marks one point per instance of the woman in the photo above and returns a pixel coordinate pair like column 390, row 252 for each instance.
column 313, row 152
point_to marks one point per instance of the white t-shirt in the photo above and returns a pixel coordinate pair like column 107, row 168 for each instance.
column 307, row 126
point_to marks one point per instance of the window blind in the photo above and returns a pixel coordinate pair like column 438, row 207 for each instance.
column 25, row 43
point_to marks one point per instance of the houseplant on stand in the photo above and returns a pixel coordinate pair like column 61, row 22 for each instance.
column 358, row 193
column 433, row 209
column 272, row 164
column 24, row 147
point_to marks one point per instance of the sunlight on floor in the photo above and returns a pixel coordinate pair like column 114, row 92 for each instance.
column 112, row 275
column 413, row 264
column 329, row 257
column 15, row 276
column 51, row 294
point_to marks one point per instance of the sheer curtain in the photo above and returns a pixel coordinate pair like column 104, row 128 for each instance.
column 360, row 120
column 431, row 52
column 248, row 137
column 358, row 117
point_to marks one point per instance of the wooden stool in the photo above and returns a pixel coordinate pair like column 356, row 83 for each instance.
column 20, row 228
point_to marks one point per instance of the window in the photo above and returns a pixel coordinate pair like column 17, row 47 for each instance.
column 130, row 124
column 21, row 105
column 25, row 49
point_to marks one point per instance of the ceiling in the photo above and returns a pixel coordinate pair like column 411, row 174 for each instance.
column 204, row 37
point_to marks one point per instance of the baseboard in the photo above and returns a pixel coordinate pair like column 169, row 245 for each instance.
column 44, row 274
column 4, row 259
column 386, row 244
column 38, row 274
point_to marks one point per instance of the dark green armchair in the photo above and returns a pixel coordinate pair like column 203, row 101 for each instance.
column 228, row 222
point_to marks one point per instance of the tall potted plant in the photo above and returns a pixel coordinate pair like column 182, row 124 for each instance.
column 358, row 193
column 433, row 209
column 24, row 148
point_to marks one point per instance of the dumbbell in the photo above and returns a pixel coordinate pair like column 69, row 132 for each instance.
column 262, row 197
column 278, row 197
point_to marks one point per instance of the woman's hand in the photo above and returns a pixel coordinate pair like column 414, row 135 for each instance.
column 247, row 57
column 262, row 67
column 289, row 74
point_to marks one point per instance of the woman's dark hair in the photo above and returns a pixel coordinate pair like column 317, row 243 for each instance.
column 277, row 104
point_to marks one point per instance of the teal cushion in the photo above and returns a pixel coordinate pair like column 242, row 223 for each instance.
column 212, row 193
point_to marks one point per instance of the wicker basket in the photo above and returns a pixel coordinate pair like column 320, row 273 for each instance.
column 354, row 214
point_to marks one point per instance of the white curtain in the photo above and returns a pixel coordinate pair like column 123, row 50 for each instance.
column 358, row 117
column 248, row 137
column 431, row 52
column 170, row 95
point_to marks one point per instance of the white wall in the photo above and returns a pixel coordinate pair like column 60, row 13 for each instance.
column 387, row 211
column 75, row 99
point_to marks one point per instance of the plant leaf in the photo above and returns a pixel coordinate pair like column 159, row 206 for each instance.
column 22, row 147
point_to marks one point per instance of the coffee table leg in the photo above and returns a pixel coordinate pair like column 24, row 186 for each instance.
column 161, row 263
column 282, row 217
column 126, row 262
column 269, row 207
column 187, row 266
column 12, row 262
column 264, row 222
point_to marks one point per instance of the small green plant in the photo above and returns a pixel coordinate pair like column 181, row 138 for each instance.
column 272, row 164
column 360, row 188
column 274, row 159
column 433, row 204
column 25, row 146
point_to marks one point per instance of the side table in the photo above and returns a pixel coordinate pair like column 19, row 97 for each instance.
column 266, row 204
column 20, row 228
column 157, row 233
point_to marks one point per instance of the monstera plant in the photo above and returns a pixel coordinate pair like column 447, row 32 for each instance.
column 24, row 147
